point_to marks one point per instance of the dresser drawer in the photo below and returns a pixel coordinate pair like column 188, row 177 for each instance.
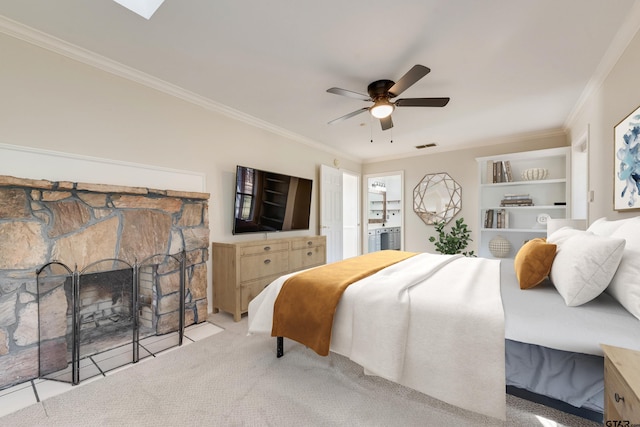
column 257, row 266
column 264, row 248
column 307, row 257
column 250, row 290
column 310, row 242
column 620, row 400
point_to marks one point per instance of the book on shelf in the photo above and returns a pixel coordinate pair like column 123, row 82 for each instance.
column 512, row 196
column 502, row 219
column 488, row 218
column 499, row 171
column 489, row 172
column 518, row 202
column 507, row 170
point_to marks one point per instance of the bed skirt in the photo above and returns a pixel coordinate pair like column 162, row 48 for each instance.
column 574, row 378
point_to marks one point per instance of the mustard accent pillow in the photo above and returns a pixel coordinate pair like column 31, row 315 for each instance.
column 533, row 262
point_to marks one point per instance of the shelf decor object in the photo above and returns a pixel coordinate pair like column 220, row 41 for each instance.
column 542, row 219
column 437, row 198
column 534, row 174
column 499, row 247
column 626, row 137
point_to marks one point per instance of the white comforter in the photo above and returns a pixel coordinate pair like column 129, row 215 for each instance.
column 433, row 323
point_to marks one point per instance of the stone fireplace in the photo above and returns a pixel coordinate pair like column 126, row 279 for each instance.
column 51, row 231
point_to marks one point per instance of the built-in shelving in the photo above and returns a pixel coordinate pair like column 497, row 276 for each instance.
column 548, row 197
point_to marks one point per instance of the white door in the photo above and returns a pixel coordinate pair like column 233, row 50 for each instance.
column 350, row 215
column 331, row 211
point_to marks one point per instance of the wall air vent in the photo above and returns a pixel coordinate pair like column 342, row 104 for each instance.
column 420, row 147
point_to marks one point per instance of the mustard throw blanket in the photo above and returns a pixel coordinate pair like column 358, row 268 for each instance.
column 307, row 302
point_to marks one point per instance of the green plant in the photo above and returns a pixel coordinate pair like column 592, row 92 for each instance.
column 453, row 242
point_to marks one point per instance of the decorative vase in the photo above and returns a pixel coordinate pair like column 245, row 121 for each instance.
column 499, row 247
column 534, row 174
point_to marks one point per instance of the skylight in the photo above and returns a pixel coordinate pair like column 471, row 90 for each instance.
column 144, row 8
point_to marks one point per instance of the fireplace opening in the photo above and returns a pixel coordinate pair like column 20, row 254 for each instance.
column 106, row 311
column 108, row 315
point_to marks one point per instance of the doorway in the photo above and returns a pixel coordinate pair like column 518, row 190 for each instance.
column 383, row 213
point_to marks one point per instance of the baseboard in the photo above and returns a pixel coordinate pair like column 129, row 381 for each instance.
column 588, row 414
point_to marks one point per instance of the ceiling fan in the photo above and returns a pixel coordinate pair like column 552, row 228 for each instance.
column 382, row 91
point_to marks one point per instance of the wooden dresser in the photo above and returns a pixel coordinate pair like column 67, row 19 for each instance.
column 242, row 270
column 621, row 386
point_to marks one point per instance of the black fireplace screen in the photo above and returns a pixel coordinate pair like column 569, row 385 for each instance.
column 108, row 314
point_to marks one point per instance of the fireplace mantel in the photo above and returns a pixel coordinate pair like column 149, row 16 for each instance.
column 42, row 184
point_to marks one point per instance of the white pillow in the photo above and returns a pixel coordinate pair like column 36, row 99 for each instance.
column 625, row 285
column 584, row 264
column 562, row 234
column 604, row 227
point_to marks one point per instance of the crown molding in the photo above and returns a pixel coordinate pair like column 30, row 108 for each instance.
column 620, row 42
column 77, row 53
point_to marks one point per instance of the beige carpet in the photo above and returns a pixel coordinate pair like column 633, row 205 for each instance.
column 232, row 379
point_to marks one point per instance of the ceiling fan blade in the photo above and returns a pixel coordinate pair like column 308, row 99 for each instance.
column 422, row 102
column 346, row 116
column 349, row 93
column 386, row 123
column 406, row 81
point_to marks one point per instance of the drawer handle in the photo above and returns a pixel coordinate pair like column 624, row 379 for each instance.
column 309, row 253
column 267, row 261
column 267, row 248
column 309, row 243
column 618, row 398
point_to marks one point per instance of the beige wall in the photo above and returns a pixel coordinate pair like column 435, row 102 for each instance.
column 618, row 96
column 461, row 165
column 55, row 103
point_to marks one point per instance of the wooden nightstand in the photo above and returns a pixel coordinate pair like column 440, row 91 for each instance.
column 621, row 386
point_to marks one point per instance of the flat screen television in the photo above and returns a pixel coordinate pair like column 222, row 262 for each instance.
column 268, row 201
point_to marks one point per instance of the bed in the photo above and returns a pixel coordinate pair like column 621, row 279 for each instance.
column 553, row 330
column 543, row 342
column 426, row 323
column 552, row 352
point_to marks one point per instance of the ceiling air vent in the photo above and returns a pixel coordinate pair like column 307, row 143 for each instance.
column 420, row 147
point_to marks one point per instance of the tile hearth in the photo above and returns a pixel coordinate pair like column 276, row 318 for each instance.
column 99, row 366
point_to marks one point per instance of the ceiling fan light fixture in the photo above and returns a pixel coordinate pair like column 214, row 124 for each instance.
column 381, row 91
column 382, row 108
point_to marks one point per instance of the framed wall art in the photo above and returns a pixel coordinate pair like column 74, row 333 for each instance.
column 626, row 180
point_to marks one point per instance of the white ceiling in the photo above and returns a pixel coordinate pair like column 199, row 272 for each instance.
column 511, row 67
